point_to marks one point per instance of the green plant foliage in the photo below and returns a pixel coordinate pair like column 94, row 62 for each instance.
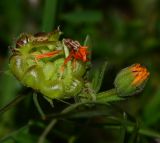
column 21, row 135
column 98, row 77
column 48, row 77
column 90, row 102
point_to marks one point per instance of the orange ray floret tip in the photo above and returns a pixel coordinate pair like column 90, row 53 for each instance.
column 141, row 74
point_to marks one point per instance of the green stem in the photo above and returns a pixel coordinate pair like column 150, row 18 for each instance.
column 72, row 107
column 142, row 131
column 49, row 15
column 35, row 99
column 108, row 96
column 130, row 128
column 12, row 103
column 55, row 120
column 47, row 130
column 148, row 132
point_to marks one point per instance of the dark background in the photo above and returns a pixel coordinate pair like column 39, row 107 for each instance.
column 123, row 32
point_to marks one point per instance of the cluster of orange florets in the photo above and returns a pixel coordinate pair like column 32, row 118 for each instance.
column 140, row 73
column 77, row 52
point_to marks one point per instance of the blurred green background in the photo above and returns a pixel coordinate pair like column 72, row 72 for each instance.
column 122, row 32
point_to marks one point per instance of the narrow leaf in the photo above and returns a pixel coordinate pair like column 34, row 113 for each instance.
column 98, row 77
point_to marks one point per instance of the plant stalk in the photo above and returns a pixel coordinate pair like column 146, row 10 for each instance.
column 12, row 103
column 49, row 15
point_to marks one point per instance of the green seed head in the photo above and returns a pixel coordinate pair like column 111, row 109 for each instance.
column 33, row 65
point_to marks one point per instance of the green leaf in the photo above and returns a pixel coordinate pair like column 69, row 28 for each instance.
column 134, row 134
column 21, row 136
column 123, row 129
column 91, row 113
column 87, row 42
column 151, row 109
column 98, row 77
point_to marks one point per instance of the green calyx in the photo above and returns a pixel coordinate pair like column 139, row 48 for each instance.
column 123, row 83
column 48, row 75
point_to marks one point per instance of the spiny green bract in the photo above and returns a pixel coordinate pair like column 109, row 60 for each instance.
column 45, row 75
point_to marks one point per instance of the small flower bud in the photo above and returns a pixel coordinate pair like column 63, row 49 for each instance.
column 131, row 80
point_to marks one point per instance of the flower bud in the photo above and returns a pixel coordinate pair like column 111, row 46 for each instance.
column 45, row 74
column 131, row 80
